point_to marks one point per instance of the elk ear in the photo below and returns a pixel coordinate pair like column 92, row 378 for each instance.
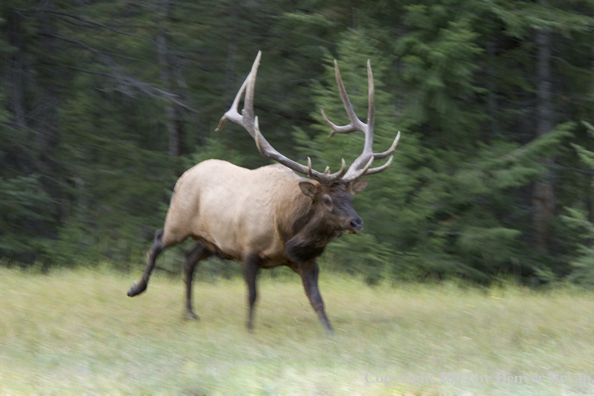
column 309, row 189
column 358, row 186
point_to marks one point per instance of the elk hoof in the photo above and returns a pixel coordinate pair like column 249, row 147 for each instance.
column 189, row 315
column 134, row 290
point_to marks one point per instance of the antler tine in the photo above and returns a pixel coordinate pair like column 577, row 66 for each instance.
column 232, row 113
column 355, row 124
column 367, row 156
column 360, row 172
column 385, row 166
column 341, row 172
column 249, row 121
column 390, row 150
column 379, row 169
column 248, row 106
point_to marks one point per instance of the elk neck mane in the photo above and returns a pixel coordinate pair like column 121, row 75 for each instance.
column 307, row 234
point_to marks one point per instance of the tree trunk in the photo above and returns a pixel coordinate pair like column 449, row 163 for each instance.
column 590, row 190
column 172, row 112
column 14, row 82
column 492, row 95
column 543, row 195
column 15, row 69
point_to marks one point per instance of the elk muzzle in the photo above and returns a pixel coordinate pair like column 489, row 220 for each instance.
column 355, row 225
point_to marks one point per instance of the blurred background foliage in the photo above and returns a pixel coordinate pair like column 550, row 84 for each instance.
column 104, row 103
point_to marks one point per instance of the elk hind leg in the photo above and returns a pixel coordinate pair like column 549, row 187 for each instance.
column 251, row 269
column 152, row 255
column 199, row 252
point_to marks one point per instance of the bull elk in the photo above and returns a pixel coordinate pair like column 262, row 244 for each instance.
column 268, row 216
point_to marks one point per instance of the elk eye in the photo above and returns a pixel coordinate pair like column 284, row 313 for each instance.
column 327, row 201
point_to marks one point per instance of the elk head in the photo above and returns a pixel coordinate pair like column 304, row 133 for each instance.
column 331, row 193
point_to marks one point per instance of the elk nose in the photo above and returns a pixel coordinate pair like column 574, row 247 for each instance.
column 357, row 224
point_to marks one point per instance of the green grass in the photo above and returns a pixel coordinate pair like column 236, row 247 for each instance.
column 76, row 332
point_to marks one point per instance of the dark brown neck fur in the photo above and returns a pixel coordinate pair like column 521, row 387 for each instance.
column 308, row 235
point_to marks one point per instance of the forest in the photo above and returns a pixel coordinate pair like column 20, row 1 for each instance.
column 105, row 103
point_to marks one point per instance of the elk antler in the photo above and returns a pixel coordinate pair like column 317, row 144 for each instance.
column 250, row 122
column 367, row 156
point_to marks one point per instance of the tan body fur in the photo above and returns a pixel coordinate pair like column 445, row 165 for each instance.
column 235, row 211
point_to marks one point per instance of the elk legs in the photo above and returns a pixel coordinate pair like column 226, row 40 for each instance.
column 157, row 248
column 309, row 277
column 199, row 252
column 251, row 269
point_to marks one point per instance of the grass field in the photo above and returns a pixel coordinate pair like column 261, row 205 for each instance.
column 76, row 332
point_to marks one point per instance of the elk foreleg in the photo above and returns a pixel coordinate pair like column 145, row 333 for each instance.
column 157, row 248
column 309, row 276
column 251, row 269
column 199, row 252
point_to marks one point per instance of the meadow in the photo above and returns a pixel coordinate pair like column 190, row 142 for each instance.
column 73, row 332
